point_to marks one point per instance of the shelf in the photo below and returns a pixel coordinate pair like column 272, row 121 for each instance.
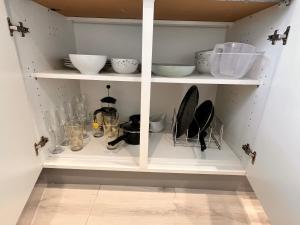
column 95, row 156
column 190, row 10
column 74, row 75
column 164, row 157
column 193, row 79
column 204, row 79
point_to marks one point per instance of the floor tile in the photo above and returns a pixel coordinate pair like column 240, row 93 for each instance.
column 124, row 205
column 213, row 207
column 66, row 204
column 128, row 205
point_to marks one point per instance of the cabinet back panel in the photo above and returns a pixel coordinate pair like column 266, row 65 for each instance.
column 170, row 45
column 167, row 97
column 127, row 95
column 120, row 41
column 179, row 44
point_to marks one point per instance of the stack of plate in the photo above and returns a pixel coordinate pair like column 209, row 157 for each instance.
column 108, row 67
column 68, row 63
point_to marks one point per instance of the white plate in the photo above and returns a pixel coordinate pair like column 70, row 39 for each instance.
column 172, row 70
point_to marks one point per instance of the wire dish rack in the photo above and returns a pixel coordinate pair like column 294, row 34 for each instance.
column 213, row 139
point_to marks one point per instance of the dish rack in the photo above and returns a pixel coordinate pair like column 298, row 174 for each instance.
column 214, row 139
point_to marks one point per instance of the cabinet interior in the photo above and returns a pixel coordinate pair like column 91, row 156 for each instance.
column 239, row 107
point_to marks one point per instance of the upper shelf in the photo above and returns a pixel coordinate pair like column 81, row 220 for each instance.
column 189, row 10
column 205, row 79
column 75, row 75
column 193, row 79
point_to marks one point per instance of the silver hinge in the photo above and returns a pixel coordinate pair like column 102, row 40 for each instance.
column 280, row 37
column 17, row 28
column 43, row 141
column 285, row 2
column 249, row 152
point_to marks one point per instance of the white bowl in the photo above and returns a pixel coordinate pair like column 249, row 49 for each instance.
column 172, row 70
column 157, row 123
column 124, row 65
column 88, row 64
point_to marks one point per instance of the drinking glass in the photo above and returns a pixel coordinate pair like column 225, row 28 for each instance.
column 63, row 118
column 111, row 131
column 75, row 131
column 98, row 127
column 54, row 133
column 69, row 110
column 82, row 112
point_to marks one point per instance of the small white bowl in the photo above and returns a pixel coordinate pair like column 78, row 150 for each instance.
column 124, row 65
column 157, row 123
column 88, row 64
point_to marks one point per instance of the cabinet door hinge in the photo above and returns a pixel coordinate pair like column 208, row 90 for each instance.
column 249, row 152
column 285, row 2
column 280, row 37
column 17, row 28
column 43, row 141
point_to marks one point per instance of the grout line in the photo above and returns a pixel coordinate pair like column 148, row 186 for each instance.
column 38, row 206
column 92, row 205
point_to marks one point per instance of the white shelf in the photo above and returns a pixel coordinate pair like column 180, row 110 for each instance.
column 204, row 79
column 95, row 156
column 165, row 157
column 75, row 75
column 193, row 79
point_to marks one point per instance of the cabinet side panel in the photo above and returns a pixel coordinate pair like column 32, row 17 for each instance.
column 50, row 39
column 241, row 108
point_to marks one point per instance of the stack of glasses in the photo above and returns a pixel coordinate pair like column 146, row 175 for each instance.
column 67, row 125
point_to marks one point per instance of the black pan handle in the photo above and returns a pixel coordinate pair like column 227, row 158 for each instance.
column 121, row 138
column 202, row 142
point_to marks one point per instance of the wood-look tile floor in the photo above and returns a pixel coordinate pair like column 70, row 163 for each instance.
column 124, row 205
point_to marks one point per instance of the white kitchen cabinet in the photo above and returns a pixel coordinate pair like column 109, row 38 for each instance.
column 261, row 109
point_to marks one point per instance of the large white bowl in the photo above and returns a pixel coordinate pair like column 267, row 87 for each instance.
column 124, row 65
column 88, row 64
column 172, row 70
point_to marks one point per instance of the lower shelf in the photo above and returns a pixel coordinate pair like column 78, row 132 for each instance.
column 164, row 157
column 95, row 156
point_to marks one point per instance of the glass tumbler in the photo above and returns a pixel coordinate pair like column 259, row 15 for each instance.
column 75, row 131
column 111, row 133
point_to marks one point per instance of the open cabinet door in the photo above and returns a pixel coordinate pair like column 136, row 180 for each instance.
column 19, row 165
column 275, row 174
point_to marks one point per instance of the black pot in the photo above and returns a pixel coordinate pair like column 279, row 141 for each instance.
column 131, row 132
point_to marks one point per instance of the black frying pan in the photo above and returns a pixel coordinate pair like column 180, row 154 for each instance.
column 203, row 117
column 186, row 111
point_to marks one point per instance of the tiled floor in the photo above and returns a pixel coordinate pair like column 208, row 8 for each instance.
column 123, row 205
